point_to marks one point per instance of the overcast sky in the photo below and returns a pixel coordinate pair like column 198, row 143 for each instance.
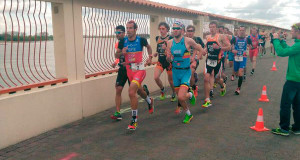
column 281, row 13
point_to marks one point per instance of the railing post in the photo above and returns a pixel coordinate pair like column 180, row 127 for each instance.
column 59, row 40
column 199, row 25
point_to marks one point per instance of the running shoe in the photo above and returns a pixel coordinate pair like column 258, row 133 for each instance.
column 173, row 98
column 232, row 77
column 207, row 104
column 225, row 79
column 178, row 110
column 294, row 131
column 117, row 116
column 251, row 73
column 237, row 91
column 279, row 131
column 223, row 90
column 146, row 89
column 187, row 118
column 162, row 96
column 193, row 98
column 132, row 126
column 211, row 93
column 151, row 106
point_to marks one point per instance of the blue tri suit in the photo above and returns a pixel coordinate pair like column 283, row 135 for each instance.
column 181, row 64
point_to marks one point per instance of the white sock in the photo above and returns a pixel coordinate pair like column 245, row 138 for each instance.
column 188, row 112
column 148, row 100
column 191, row 94
column 207, row 99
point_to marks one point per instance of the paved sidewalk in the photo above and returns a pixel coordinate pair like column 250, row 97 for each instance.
column 219, row 132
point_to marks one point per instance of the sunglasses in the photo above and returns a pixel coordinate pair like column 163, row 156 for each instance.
column 118, row 32
column 176, row 28
column 190, row 30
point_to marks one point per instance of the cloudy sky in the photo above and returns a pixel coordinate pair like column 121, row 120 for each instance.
column 281, row 13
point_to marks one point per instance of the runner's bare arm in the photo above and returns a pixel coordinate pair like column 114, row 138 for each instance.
column 149, row 49
column 196, row 46
column 225, row 44
column 168, row 51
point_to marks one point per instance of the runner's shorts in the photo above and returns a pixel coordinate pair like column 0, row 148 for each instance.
column 181, row 77
column 253, row 52
column 122, row 77
column 136, row 76
column 217, row 70
column 167, row 67
column 238, row 65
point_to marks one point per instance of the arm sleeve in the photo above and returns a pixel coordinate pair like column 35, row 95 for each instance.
column 249, row 41
column 144, row 42
column 283, row 50
column 121, row 44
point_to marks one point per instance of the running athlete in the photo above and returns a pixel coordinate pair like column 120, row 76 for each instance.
column 271, row 41
column 190, row 32
column 253, row 51
column 132, row 48
column 221, row 30
column 262, row 42
column 178, row 52
column 122, row 74
column 216, row 43
column 239, row 48
column 162, row 63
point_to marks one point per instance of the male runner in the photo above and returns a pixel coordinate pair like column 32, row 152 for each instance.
column 239, row 48
column 132, row 48
column 262, row 42
column 190, row 32
column 178, row 53
column 216, row 43
column 122, row 74
column 162, row 63
column 253, row 51
column 271, row 41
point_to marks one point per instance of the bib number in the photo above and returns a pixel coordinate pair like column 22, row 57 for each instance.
column 239, row 58
column 137, row 66
column 212, row 63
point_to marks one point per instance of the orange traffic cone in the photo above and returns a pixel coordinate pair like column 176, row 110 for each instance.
column 259, row 125
column 264, row 97
column 274, row 67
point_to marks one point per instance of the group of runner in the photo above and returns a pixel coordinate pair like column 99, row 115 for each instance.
column 179, row 54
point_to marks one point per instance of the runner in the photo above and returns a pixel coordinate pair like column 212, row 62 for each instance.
column 271, row 41
column 190, row 32
column 253, row 51
column 216, row 43
column 262, row 43
column 122, row 74
column 178, row 53
column 162, row 63
column 132, row 48
column 231, row 56
column 239, row 48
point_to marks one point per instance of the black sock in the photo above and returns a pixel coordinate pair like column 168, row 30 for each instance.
column 194, row 87
column 163, row 89
column 179, row 105
column 252, row 70
column 240, row 81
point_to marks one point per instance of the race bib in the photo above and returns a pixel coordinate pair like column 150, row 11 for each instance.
column 212, row 63
column 239, row 58
column 137, row 66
